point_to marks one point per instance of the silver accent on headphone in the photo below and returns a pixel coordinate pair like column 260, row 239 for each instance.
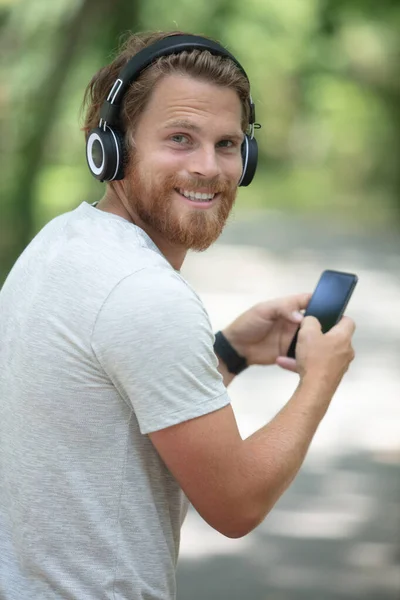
column 114, row 90
column 251, row 125
column 92, row 139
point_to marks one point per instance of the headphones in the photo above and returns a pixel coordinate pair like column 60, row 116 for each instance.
column 105, row 143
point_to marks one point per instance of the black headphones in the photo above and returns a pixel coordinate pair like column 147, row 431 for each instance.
column 105, row 143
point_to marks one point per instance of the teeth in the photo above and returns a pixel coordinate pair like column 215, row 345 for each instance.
column 197, row 195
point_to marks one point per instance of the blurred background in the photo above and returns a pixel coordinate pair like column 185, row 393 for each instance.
column 325, row 78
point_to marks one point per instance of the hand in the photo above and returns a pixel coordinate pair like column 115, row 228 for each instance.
column 325, row 357
column 264, row 332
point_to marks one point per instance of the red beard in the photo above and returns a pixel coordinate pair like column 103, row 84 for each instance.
column 152, row 200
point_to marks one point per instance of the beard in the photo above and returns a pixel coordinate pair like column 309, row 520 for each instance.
column 152, row 199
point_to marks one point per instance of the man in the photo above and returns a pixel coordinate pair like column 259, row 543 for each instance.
column 114, row 406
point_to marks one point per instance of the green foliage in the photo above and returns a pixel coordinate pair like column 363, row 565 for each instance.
column 325, row 79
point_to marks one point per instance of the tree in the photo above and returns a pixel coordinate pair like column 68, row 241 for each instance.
column 93, row 22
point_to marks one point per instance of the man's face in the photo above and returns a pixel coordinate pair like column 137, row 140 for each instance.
column 183, row 177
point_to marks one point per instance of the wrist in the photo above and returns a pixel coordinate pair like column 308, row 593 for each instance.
column 234, row 362
column 316, row 389
column 320, row 380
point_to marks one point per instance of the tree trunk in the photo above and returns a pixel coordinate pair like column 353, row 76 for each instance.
column 93, row 18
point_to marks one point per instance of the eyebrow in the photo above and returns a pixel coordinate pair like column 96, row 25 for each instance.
column 184, row 124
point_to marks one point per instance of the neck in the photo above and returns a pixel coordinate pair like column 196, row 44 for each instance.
column 116, row 202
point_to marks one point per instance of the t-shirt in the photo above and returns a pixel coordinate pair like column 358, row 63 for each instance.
column 101, row 342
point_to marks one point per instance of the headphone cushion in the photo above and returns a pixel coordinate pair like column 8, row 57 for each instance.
column 249, row 151
column 122, row 153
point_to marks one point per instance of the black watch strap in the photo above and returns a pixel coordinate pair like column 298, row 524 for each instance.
column 234, row 362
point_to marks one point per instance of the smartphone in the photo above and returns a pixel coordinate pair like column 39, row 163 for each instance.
column 328, row 302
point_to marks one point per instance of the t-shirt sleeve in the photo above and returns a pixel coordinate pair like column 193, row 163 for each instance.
column 154, row 339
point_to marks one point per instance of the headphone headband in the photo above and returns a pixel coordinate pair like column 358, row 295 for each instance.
column 105, row 149
column 173, row 44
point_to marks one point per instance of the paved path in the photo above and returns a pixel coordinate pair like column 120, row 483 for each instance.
column 335, row 533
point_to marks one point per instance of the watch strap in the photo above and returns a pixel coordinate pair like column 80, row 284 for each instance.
column 235, row 363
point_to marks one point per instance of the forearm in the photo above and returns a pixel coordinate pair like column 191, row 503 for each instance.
column 272, row 456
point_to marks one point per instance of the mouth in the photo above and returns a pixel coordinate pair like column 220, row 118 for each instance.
column 202, row 199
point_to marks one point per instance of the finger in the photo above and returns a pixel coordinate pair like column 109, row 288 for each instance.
column 289, row 364
column 297, row 304
column 311, row 324
column 346, row 325
column 284, row 306
column 303, row 300
column 299, row 301
column 290, row 307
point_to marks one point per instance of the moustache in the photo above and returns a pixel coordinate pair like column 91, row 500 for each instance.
column 214, row 185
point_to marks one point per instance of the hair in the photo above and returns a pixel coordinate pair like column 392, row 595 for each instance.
column 200, row 64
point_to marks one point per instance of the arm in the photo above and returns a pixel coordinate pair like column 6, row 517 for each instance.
column 234, row 483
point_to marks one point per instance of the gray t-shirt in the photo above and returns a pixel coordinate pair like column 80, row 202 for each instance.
column 101, row 342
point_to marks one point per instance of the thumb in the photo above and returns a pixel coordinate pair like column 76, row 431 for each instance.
column 310, row 323
column 289, row 364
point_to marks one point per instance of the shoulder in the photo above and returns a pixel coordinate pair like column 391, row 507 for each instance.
column 156, row 285
column 155, row 300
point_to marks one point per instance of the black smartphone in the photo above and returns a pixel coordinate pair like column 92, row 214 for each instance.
column 329, row 301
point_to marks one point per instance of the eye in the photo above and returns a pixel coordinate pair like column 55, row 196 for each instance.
column 227, row 144
column 179, row 138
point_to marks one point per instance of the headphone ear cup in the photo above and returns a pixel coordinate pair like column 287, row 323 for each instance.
column 105, row 154
column 120, row 140
column 249, row 152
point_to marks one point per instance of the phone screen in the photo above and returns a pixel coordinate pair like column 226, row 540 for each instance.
column 329, row 300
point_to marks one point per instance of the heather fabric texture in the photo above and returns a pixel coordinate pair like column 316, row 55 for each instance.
column 101, row 343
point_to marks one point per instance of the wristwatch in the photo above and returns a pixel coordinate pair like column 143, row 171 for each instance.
column 235, row 363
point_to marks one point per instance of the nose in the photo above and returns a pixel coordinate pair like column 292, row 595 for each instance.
column 204, row 163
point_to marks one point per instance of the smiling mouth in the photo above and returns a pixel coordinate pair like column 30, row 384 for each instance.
column 196, row 197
